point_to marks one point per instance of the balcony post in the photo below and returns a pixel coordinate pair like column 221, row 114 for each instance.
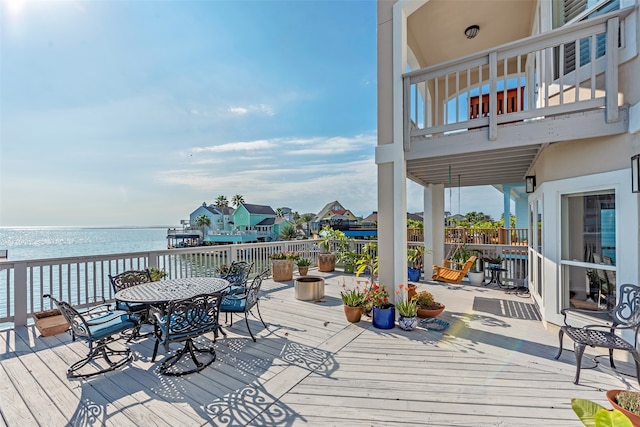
column 19, row 294
column 493, row 99
column 612, row 115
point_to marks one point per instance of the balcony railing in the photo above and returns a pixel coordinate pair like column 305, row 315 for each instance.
column 531, row 78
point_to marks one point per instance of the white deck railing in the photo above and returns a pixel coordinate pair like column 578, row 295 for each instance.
column 527, row 79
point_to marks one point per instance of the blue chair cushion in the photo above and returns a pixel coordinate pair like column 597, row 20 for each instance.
column 130, row 307
column 235, row 305
column 234, row 290
column 110, row 323
column 180, row 323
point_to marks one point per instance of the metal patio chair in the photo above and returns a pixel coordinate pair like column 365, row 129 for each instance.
column 183, row 321
column 237, row 275
column 126, row 280
column 624, row 316
column 244, row 302
column 97, row 326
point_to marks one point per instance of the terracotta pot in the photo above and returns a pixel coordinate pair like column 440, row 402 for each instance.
column 634, row 418
column 411, row 291
column 353, row 313
column 282, row 270
column 326, row 262
column 302, row 271
column 430, row 313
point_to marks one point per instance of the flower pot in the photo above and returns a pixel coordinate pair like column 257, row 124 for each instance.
column 407, row 323
column 414, row 274
column 384, row 318
column 476, row 277
column 411, row 291
column 353, row 313
column 282, row 270
column 309, row 288
column 634, row 418
column 430, row 312
column 326, row 262
column 303, row 270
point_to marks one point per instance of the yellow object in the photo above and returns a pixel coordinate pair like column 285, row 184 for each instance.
column 451, row 275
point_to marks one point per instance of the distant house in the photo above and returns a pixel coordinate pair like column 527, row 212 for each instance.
column 334, row 215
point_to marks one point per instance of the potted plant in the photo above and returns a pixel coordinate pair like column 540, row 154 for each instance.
column 427, row 305
column 593, row 414
column 475, row 274
column 348, row 259
column 157, row 274
column 494, row 262
column 407, row 310
column 352, row 302
column 384, row 313
column 415, row 258
column 282, row 265
column 326, row 258
column 627, row 402
column 303, row 266
column 368, row 261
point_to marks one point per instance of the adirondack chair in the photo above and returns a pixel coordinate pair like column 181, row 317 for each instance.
column 449, row 274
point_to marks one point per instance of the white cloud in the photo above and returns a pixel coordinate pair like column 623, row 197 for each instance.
column 256, row 108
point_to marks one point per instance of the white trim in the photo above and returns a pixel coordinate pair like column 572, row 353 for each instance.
column 634, row 118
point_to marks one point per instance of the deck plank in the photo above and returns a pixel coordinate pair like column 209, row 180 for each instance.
column 311, row 367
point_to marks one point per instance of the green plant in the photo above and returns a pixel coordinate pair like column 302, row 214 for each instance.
column 157, row 274
column 405, row 307
column 594, row 415
column 492, row 260
column 425, row 299
column 629, row 400
column 368, row 261
column 352, row 297
column 377, row 295
column 415, row 256
column 284, row 255
column 303, row 262
column 348, row 257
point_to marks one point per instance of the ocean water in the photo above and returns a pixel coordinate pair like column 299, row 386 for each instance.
column 27, row 243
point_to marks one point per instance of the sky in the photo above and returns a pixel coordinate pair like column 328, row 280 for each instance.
column 135, row 112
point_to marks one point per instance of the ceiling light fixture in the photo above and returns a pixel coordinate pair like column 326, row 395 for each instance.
column 472, row 31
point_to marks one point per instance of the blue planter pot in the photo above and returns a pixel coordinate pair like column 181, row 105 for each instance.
column 384, row 318
column 414, row 274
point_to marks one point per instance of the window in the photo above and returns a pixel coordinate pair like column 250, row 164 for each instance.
column 589, row 250
column 568, row 11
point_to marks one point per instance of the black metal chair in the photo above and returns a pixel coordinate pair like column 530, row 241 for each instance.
column 183, row 321
column 126, row 280
column 97, row 326
column 624, row 316
column 244, row 302
column 237, row 275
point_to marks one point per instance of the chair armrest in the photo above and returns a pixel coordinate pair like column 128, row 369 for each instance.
column 604, row 315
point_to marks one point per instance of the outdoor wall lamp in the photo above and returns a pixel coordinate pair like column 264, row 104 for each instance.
column 472, row 31
column 530, row 183
column 635, row 173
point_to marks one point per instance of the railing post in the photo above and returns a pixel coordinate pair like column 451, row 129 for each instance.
column 20, row 294
column 407, row 113
column 611, row 95
column 493, row 99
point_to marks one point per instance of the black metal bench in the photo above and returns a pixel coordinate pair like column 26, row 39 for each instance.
column 624, row 316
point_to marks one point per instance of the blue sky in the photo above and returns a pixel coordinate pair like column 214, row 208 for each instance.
column 135, row 112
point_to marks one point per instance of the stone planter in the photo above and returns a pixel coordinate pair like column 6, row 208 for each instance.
column 476, row 277
column 309, row 288
column 282, row 270
column 326, row 262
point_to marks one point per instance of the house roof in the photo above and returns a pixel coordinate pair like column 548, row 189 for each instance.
column 259, row 209
column 267, row 221
column 373, row 217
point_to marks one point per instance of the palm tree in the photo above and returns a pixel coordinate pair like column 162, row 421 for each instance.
column 203, row 221
column 288, row 232
column 279, row 213
column 221, row 202
column 237, row 200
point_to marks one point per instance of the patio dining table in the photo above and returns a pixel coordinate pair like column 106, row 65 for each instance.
column 164, row 291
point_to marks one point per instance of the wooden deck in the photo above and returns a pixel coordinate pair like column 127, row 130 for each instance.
column 493, row 366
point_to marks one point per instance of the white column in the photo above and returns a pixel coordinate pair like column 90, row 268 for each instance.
column 433, row 225
column 506, row 199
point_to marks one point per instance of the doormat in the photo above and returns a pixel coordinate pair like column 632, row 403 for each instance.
column 434, row 324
